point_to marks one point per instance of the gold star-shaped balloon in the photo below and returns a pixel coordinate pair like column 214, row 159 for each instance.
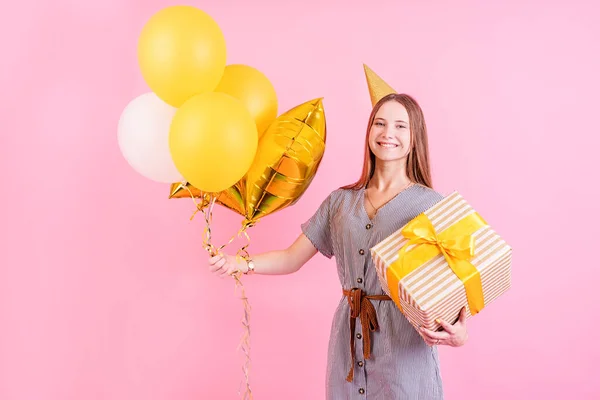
column 378, row 88
column 288, row 157
column 180, row 190
column 231, row 198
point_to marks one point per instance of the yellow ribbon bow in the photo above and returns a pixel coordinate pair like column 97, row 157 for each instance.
column 456, row 243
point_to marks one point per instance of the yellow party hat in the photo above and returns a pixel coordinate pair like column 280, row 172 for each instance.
column 377, row 86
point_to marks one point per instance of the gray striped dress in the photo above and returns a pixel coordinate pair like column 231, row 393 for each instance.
column 401, row 365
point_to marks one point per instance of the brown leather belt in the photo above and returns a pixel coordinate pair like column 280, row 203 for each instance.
column 361, row 306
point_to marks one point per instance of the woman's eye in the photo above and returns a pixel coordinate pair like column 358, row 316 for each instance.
column 379, row 123
column 400, row 126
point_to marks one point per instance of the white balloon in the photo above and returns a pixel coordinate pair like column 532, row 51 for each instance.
column 143, row 135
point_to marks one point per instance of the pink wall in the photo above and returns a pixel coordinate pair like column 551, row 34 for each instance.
column 104, row 292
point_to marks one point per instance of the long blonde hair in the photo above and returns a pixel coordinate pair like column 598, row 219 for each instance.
column 417, row 163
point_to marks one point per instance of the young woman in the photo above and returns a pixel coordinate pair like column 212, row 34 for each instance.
column 374, row 352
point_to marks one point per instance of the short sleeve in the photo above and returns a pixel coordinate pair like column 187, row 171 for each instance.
column 318, row 228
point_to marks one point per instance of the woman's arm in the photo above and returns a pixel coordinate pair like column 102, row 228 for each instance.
column 278, row 262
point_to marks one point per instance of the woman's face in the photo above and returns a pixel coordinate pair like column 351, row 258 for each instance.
column 389, row 137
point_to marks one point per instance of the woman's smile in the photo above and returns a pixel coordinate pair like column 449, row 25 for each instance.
column 387, row 145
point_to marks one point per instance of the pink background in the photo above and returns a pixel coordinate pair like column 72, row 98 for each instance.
column 104, row 291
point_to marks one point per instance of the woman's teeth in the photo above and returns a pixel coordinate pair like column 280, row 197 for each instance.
column 388, row 145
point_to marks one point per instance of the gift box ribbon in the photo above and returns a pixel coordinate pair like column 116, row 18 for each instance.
column 456, row 243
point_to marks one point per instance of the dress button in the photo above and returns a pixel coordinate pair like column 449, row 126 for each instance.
column 369, row 226
column 359, row 280
column 361, row 252
column 358, row 336
column 360, row 363
column 361, row 391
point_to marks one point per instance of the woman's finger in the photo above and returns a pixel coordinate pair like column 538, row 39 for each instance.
column 462, row 317
column 225, row 271
column 214, row 259
column 431, row 342
column 435, row 335
column 218, row 265
column 447, row 327
column 214, row 267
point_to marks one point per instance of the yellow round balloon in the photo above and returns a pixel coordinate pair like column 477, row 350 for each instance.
column 213, row 141
column 254, row 90
column 181, row 53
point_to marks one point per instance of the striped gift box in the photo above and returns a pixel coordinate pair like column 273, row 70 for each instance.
column 432, row 289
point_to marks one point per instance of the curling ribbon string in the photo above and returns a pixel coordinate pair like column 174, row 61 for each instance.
column 208, row 202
